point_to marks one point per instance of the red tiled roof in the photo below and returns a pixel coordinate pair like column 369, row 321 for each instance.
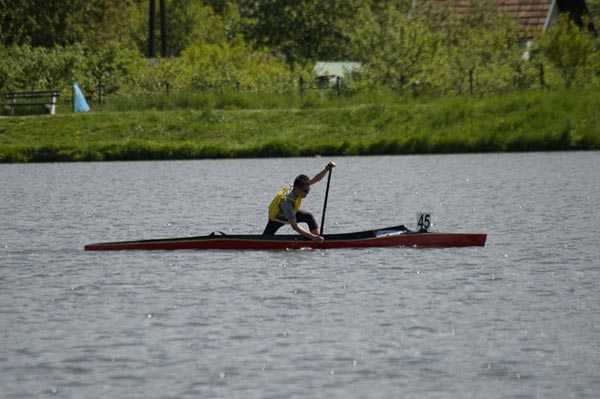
column 531, row 14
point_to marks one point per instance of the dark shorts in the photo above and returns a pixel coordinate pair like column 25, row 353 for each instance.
column 301, row 217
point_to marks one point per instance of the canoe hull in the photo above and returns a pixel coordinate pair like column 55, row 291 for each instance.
column 387, row 237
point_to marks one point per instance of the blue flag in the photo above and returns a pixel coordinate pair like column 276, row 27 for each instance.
column 80, row 104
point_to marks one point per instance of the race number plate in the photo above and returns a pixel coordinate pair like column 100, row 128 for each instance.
column 423, row 221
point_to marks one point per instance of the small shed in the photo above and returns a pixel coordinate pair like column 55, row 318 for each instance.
column 330, row 72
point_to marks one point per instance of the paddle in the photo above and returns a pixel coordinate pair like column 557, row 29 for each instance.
column 325, row 203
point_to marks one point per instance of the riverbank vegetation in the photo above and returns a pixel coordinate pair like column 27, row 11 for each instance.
column 230, row 85
column 250, row 126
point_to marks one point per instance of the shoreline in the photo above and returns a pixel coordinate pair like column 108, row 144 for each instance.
column 514, row 122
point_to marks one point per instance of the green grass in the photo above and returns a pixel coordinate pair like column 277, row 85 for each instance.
column 250, row 125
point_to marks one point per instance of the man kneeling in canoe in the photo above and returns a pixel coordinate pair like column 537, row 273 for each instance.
column 285, row 207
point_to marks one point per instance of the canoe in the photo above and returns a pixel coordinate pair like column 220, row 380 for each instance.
column 386, row 237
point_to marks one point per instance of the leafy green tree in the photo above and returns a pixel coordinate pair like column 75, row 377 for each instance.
column 61, row 65
column 25, row 68
column 110, row 68
column 5, row 70
column 161, row 74
column 571, row 50
column 395, row 51
column 38, row 22
column 46, row 23
column 594, row 8
column 188, row 21
column 226, row 64
column 38, row 68
column 302, row 30
column 112, row 21
column 480, row 51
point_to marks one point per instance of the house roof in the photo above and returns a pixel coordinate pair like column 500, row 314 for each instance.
column 534, row 16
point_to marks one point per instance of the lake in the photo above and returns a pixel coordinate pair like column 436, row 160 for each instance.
column 517, row 318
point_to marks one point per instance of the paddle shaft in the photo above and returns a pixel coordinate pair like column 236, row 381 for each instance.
column 325, row 203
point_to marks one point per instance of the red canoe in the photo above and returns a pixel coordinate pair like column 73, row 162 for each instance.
column 386, row 237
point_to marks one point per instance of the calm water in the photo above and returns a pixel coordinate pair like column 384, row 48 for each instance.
column 516, row 319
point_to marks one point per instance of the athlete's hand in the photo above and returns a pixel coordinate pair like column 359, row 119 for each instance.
column 318, row 239
column 330, row 165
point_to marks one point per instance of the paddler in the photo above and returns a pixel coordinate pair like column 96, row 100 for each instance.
column 285, row 207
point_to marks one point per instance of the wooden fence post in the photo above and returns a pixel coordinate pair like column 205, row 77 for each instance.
column 471, row 81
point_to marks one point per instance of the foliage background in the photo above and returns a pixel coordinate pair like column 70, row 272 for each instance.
column 267, row 45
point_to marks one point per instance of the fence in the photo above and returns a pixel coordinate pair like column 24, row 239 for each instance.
column 321, row 83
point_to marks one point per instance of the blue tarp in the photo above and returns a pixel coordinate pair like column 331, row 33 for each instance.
column 80, row 104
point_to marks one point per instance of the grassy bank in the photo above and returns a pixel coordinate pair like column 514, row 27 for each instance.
column 245, row 127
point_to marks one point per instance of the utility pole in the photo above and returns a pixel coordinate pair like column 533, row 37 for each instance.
column 152, row 21
column 163, row 29
column 152, row 29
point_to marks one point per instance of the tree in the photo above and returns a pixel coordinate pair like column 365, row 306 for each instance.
column 302, row 30
column 394, row 49
column 46, row 23
column 480, row 50
column 226, row 64
column 594, row 8
column 38, row 68
column 188, row 21
column 570, row 48
column 109, row 68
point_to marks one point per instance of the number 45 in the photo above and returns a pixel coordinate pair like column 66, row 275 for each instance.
column 423, row 221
